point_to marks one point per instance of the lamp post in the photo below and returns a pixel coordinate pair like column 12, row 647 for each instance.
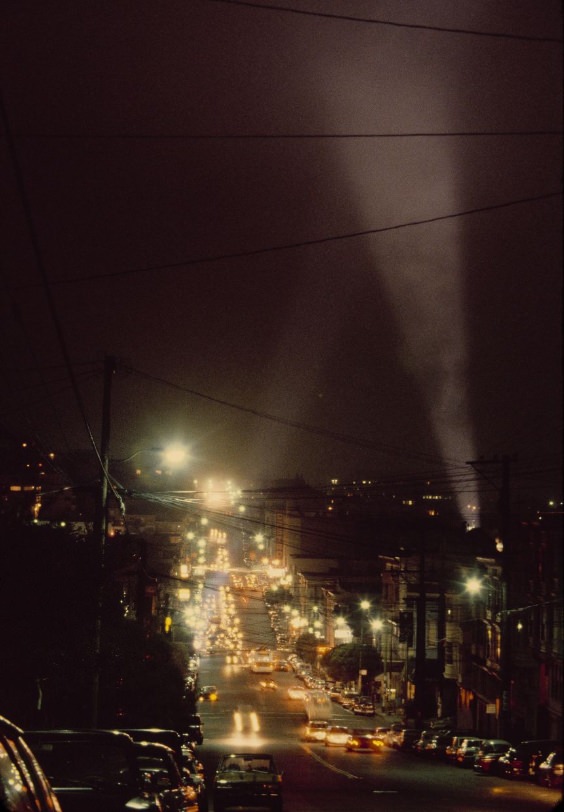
column 364, row 606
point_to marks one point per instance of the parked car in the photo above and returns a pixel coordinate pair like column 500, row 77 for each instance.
column 467, row 751
column 407, row 738
column 190, row 768
column 392, row 737
column 363, row 706
column 457, row 739
column 425, row 737
column 364, row 741
column 93, row 770
column 247, row 780
column 193, row 728
column 348, row 698
column 488, row 755
column 336, row 736
column 436, row 746
column 315, row 731
column 524, row 760
column 551, row 770
column 158, row 764
column 23, row 783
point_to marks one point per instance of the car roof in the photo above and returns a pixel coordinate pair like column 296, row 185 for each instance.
column 79, row 735
column 9, row 727
column 153, row 747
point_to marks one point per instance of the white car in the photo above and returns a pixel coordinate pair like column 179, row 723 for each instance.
column 336, row 736
column 296, row 692
column 315, row 731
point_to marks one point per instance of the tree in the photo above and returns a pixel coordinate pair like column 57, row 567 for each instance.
column 344, row 662
column 306, row 647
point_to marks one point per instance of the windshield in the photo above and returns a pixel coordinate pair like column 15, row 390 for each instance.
column 83, row 763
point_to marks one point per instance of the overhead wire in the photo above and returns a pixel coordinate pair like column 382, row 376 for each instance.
column 252, row 252
column 389, row 23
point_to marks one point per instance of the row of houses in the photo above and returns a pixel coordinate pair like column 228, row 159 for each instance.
column 469, row 627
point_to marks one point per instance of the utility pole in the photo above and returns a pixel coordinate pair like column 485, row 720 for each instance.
column 505, row 627
column 100, row 531
column 504, row 508
column 420, row 633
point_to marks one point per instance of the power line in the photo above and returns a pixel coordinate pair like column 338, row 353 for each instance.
column 280, row 136
column 372, row 21
column 301, row 244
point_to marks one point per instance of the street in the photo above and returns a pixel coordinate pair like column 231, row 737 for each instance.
column 321, row 779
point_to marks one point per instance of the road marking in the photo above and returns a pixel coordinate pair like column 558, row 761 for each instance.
column 330, row 766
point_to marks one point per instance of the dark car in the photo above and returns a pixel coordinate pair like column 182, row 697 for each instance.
column 524, row 760
column 436, row 746
column 487, row 758
column 191, row 769
column 23, row 784
column 193, row 728
column 425, row 737
column 551, row 770
column 458, row 737
column 93, row 770
column 247, row 780
column 158, row 764
column 467, row 751
column 364, row 706
column 407, row 738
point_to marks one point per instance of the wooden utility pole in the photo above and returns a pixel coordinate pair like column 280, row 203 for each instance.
column 100, row 531
column 504, row 507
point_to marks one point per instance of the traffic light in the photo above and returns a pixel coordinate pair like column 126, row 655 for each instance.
column 167, row 625
column 406, row 627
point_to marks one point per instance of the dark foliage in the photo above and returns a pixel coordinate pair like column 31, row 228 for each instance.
column 49, row 599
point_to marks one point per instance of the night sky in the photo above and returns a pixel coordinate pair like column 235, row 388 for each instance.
column 323, row 241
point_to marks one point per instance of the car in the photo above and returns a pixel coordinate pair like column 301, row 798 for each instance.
column 191, row 769
column 436, row 746
column 551, row 770
column 336, row 735
column 364, row 741
column 93, row 769
column 456, row 740
column 247, row 780
column 193, row 728
column 466, row 753
column 159, row 766
column 268, row 685
column 523, row 760
column 425, row 736
column 23, row 783
column 208, row 693
column 296, row 692
column 364, row 706
column 348, row 698
column 487, row 757
column 315, row 731
column 392, row 737
column 407, row 738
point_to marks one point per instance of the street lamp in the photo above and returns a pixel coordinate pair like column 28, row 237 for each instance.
column 365, row 607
